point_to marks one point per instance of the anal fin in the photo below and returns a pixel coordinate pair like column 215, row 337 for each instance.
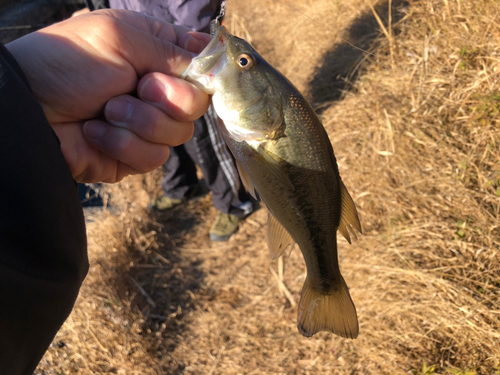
column 331, row 311
column 278, row 239
column 349, row 215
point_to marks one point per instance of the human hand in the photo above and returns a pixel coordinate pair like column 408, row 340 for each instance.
column 85, row 71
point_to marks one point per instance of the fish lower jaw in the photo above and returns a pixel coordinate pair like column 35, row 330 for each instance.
column 203, row 82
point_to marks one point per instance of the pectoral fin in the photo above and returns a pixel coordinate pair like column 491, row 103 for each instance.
column 278, row 239
column 349, row 215
column 246, row 180
column 272, row 164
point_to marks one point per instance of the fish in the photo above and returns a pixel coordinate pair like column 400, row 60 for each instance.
column 285, row 158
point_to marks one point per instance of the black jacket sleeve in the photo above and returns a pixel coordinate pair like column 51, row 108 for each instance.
column 43, row 249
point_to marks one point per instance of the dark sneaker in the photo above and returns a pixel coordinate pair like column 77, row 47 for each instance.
column 224, row 227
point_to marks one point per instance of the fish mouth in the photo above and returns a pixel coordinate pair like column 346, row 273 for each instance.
column 209, row 62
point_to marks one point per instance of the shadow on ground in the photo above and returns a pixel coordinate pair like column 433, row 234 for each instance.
column 164, row 280
column 341, row 65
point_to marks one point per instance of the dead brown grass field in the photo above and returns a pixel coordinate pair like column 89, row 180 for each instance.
column 412, row 110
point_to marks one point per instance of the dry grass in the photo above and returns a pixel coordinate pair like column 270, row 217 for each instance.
column 414, row 123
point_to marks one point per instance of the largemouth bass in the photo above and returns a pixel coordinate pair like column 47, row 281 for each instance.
column 284, row 157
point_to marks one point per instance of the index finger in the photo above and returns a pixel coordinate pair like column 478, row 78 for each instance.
column 151, row 45
column 147, row 24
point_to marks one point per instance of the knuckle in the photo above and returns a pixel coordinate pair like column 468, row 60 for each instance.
column 182, row 133
column 161, row 155
column 189, row 131
column 186, row 105
column 175, row 57
column 154, row 128
column 105, row 18
column 190, row 101
column 123, row 142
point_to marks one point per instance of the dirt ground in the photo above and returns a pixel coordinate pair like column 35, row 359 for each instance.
column 408, row 93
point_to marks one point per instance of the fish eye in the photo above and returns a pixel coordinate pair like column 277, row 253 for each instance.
column 244, row 61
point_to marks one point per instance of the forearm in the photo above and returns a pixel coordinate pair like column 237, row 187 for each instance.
column 43, row 258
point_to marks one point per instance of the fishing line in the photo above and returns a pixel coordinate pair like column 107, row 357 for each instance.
column 222, row 10
column 214, row 24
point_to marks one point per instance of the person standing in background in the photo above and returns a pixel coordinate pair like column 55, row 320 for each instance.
column 207, row 148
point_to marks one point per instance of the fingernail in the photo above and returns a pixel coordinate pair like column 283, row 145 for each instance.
column 94, row 129
column 154, row 91
column 118, row 110
column 193, row 45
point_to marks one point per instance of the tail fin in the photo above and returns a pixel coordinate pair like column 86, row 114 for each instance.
column 333, row 312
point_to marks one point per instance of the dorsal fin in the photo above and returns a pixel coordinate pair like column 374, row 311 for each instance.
column 278, row 239
column 349, row 214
